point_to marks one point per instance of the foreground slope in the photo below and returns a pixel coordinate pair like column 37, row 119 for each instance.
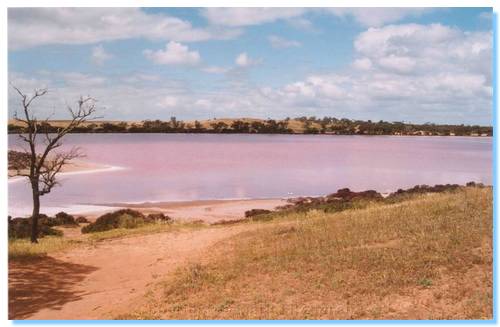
column 426, row 258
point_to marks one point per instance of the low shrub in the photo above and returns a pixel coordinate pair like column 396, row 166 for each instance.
column 158, row 217
column 21, row 228
column 400, row 194
column 124, row 218
column 82, row 220
column 256, row 212
column 348, row 195
column 62, row 218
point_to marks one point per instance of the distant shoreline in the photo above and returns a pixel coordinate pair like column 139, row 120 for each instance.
column 288, row 126
column 209, row 211
column 298, row 134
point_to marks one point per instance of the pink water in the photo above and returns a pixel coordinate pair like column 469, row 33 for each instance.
column 172, row 167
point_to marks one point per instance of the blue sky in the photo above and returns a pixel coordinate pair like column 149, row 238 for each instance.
column 399, row 64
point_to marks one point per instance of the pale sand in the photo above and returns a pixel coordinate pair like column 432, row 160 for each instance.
column 74, row 168
column 209, row 211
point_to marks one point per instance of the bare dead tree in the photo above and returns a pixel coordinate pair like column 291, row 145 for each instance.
column 44, row 165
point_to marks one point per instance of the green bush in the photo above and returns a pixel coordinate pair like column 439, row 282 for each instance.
column 81, row 220
column 21, row 228
column 256, row 212
column 62, row 218
column 158, row 217
column 124, row 218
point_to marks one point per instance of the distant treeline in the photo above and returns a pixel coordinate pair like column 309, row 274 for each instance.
column 301, row 125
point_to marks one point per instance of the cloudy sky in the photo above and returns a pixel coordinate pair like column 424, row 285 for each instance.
column 395, row 64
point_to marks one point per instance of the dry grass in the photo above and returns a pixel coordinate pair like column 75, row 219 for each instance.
column 143, row 230
column 426, row 258
column 23, row 248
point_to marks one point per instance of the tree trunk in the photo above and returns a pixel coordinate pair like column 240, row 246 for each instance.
column 36, row 212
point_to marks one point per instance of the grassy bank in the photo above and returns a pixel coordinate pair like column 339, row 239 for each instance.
column 426, row 258
column 24, row 249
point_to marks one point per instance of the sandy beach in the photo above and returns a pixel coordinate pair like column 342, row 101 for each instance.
column 210, row 211
column 73, row 168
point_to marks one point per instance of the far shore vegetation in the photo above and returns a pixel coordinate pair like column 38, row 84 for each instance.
column 300, row 125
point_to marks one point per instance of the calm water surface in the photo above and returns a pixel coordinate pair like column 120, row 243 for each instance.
column 171, row 167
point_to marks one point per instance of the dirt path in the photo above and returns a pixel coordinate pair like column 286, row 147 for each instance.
column 96, row 282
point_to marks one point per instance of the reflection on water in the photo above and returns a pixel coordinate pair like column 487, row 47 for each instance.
column 170, row 167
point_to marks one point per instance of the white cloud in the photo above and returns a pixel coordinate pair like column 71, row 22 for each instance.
column 405, row 72
column 243, row 60
column 100, row 55
column 302, row 24
column 203, row 103
column 141, row 77
column 81, row 80
column 168, row 102
column 425, row 49
column 255, row 16
column 279, row 42
column 215, row 70
column 248, row 16
column 117, row 99
column 374, row 17
column 29, row 27
column 174, row 54
column 400, row 64
column 362, row 64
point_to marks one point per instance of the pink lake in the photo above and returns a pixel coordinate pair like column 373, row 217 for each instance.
column 173, row 167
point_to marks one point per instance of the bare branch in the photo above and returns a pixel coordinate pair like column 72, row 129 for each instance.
column 40, row 167
column 16, row 117
column 18, row 91
column 38, row 93
column 53, row 166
